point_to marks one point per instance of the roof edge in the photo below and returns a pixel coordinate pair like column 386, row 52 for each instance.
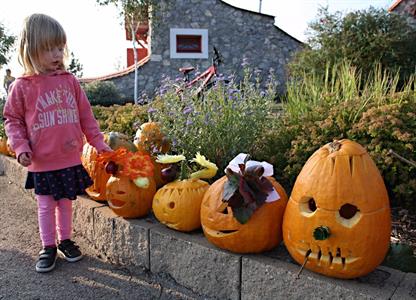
column 247, row 10
column 265, row 15
column 394, row 5
column 116, row 74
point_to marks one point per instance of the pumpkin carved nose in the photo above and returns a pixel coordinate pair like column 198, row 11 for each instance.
column 321, row 233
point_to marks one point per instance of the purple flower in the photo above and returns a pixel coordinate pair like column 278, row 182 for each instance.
column 188, row 110
column 189, row 122
column 245, row 62
column 207, row 119
column 151, row 110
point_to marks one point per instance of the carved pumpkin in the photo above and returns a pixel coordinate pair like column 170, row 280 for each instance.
column 338, row 215
column 149, row 136
column 178, row 204
column 3, row 145
column 262, row 232
column 126, row 199
column 115, row 140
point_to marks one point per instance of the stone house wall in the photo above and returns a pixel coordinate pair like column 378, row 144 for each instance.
column 240, row 36
column 407, row 9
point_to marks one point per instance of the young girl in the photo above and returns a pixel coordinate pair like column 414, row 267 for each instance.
column 47, row 114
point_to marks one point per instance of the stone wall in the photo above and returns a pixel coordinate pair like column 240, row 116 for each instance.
column 240, row 36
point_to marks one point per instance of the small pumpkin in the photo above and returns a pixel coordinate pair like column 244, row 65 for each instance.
column 178, row 204
column 10, row 151
column 148, row 138
column 262, row 232
column 338, row 215
column 115, row 140
column 126, row 199
column 3, row 145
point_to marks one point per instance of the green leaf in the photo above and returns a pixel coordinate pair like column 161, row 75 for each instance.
column 246, row 192
column 236, row 201
column 242, row 214
column 230, row 187
column 256, row 170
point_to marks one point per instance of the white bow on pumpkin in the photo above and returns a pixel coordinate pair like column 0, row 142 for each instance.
column 268, row 171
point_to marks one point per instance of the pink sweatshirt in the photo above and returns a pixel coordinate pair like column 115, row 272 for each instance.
column 48, row 115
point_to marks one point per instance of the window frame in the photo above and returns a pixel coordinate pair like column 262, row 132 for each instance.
column 175, row 32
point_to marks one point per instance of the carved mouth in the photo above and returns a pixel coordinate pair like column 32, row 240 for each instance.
column 328, row 258
column 219, row 232
column 117, row 203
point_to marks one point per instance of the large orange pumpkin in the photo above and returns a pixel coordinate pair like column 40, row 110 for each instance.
column 127, row 200
column 115, row 140
column 148, row 137
column 178, row 204
column 262, row 232
column 338, row 215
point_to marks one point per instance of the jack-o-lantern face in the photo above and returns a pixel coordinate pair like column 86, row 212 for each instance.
column 262, row 232
column 127, row 200
column 178, row 204
column 96, row 170
column 338, row 215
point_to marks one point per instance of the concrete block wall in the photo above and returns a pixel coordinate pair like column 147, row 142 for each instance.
column 192, row 262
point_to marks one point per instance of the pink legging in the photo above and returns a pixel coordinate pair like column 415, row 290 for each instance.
column 50, row 223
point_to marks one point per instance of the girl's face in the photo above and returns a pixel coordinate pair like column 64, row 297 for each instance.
column 52, row 59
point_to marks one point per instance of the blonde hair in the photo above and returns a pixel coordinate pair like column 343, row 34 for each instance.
column 40, row 33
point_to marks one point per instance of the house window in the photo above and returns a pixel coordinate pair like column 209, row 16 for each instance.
column 188, row 43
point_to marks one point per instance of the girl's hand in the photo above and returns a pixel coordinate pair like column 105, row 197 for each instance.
column 107, row 149
column 25, row 159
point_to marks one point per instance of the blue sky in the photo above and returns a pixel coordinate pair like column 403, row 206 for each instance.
column 89, row 25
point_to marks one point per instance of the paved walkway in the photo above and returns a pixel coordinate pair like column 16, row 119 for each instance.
column 90, row 278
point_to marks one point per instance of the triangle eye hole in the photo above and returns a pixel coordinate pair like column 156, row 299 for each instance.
column 347, row 211
column 312, row 205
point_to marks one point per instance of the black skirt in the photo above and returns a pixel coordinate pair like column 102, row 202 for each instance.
column 64, row 183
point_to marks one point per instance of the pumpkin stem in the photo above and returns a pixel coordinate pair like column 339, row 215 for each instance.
column 334, row 146
column 184, row 171
column 321, row 233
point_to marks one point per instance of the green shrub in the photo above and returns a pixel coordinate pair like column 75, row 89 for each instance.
column 103, row 93
column 125, row 119
column 392, row 126
column 318, row 111
column 227, row 121
column 363, row 37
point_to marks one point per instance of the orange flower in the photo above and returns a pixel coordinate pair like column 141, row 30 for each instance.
column 130, row 164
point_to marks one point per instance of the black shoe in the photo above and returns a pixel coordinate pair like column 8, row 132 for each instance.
column 69, row 251
column 46, row 261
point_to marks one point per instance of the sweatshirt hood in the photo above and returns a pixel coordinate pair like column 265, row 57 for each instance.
column 50, row 74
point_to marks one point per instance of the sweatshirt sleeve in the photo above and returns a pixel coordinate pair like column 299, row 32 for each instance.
column 15, row 124
column 88, row 123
